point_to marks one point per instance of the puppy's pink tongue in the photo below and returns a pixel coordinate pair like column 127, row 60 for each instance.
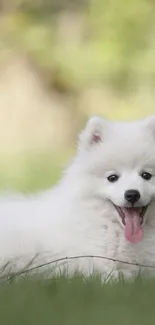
column 133, row 228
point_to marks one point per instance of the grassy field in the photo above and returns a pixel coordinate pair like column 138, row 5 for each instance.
column 60, row 301
column 30, row 174
column 76, row 301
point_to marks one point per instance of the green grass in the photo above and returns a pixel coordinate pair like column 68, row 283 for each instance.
column 31, row 174
column 76, row 301
column 60, row 301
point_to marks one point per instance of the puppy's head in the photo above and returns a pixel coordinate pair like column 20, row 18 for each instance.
column 119, row 160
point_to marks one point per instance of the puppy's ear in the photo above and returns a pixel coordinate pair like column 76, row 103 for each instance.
column 93, row 134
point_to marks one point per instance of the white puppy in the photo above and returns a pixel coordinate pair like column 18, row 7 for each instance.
column 103, row 206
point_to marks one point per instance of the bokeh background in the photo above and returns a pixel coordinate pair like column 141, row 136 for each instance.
column 62, row 61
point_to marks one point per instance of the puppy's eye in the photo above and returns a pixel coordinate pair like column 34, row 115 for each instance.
column 113, row 178
column 146, row 176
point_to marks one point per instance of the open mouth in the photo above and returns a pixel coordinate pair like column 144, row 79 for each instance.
column 132, row 220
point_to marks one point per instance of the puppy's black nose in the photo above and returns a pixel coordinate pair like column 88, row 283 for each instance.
column 132, row 196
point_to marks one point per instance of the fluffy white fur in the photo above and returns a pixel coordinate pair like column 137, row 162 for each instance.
column 77, row 217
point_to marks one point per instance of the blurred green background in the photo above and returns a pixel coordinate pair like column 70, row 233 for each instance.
column 62, row 61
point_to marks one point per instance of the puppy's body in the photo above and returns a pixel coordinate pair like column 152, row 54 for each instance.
column 79, row 216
